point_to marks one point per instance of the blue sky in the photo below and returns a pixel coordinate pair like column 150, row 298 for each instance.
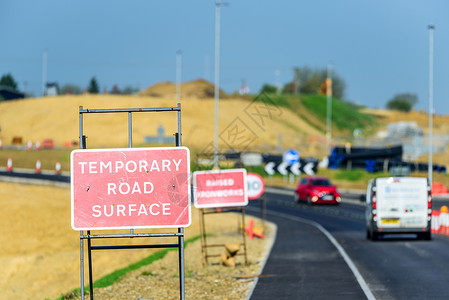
column 380, row 48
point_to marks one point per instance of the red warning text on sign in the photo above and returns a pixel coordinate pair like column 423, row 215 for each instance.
column 220, row 188
column 130, row 188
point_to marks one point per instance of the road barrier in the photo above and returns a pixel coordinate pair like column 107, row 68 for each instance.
column 440, row 221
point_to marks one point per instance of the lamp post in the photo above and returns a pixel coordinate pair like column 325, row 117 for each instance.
column 44, row 71
column 178, row 75
column 430, row 165
column 329, row 108
column 218, row 5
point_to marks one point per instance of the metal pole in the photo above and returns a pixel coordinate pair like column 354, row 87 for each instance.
column 89, row 260
column 218, row 5
column 130, row 130
column 178, row 75
column 329, row 108
column 430, row 165
column 81, row 232
column 130, row 141
column 82, row 264
column 44, row 71
column 277, row 83
column 180, row 230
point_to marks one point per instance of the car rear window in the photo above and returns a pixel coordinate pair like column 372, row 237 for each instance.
column 321, row 182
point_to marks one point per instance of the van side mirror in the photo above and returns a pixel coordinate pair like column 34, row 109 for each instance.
column 362, row 198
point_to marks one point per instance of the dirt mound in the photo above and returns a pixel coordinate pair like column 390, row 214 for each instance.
column 57, row 118
column 199, row 88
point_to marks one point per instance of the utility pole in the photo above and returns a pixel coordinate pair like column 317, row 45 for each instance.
column 430, row 165
column 178, row 75
column 218, row 5
column 44, row 72
column 329, row 108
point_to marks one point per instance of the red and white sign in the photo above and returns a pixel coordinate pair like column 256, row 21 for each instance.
column 256, row 185
column 130, row 188
column 220, row 188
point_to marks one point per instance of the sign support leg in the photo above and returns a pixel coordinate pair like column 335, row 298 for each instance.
column 243, row 235
column 82, row 264
column 89, row 258
column 181, row 264
column 203, row 236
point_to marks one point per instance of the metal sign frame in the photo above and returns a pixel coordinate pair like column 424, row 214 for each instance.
column 207, row 211
column 89, row 237
column 203, row 233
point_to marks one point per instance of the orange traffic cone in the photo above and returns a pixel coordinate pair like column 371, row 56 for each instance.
column 9, row 164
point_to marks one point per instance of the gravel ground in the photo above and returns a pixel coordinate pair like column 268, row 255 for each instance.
column 214, row 280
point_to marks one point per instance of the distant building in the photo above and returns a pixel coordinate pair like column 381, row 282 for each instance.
column 51, row 89
column 244, row 90
column 8, row 93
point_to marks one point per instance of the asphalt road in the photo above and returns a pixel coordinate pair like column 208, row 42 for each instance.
column 321, row 252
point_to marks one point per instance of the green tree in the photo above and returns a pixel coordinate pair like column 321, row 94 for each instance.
column 402, row 102
column 307, row 81
column 268, row 89
column 8, row 80
column 93, row 86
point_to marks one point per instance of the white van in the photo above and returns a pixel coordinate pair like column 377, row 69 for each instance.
column 398, row 205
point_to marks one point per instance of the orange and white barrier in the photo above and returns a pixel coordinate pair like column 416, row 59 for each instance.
column 439, row 189
column 440, row 221
column 38, row 166
column 9, row 165
column 58, row 168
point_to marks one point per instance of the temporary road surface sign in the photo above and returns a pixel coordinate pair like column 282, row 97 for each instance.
column 256, row 185
column 220, row 188
column 130, row 188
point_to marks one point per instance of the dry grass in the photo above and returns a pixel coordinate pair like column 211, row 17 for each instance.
column 58, row 118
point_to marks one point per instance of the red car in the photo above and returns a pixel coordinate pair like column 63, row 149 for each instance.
column 317, row 189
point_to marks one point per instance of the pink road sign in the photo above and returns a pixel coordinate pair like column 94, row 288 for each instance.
column 130, row 188
column 220, row 188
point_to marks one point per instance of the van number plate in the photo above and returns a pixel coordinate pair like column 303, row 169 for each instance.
column 390, row 221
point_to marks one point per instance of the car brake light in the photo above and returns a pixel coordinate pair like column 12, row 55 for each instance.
column 374, row 206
